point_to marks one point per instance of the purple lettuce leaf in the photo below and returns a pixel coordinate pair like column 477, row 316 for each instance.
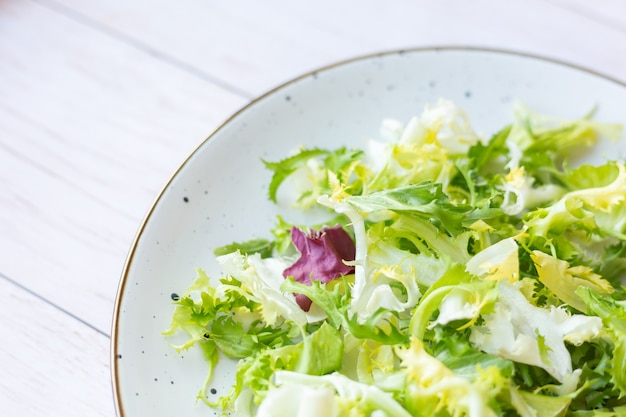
column 322, row 256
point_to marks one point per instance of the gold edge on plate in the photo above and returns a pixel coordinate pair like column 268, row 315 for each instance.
column 119, row 408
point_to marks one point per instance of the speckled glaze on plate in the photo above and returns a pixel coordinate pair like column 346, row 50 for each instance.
column 219, row 194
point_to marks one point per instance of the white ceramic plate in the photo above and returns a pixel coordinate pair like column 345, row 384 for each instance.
column 219, row 194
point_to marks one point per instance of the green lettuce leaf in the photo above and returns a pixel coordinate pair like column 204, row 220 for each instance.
column 263, row 247
column 319, row 353
column 340, row 162
column 332, row 394
column 613, row 315
column 426, row 200
column 284, row 168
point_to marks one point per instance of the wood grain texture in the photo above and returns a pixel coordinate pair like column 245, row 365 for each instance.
column 52, row 365
column 101, row 101
column 91, row 130
column 610, row 13
column 256, row 45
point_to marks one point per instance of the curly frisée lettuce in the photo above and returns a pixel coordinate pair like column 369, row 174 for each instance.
column 457, row 276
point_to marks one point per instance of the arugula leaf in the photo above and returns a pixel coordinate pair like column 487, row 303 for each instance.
column 486, row 279
column 341, row 162
column 263, row 247
column 283, row 169
column 426, row 200
column 379, row 327
column 332, row 301
column 485, row 157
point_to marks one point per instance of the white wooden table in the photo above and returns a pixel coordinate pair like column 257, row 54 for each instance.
column 100, row 101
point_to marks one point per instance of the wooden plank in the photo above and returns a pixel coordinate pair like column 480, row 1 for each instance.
column 101, row 101
column 52, row 364
column 257, row 45
column 608, row 12
column 91, row 129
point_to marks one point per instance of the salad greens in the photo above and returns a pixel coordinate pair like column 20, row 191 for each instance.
column 455, row 276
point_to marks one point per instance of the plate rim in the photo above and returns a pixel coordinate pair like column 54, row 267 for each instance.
column 115, row 385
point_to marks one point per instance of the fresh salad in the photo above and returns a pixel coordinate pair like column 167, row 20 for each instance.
column 452, row 275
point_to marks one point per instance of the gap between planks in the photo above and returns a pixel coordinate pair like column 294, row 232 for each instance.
column 54, row 305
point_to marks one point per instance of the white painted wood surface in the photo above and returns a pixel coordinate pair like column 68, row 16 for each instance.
column 100, row 101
